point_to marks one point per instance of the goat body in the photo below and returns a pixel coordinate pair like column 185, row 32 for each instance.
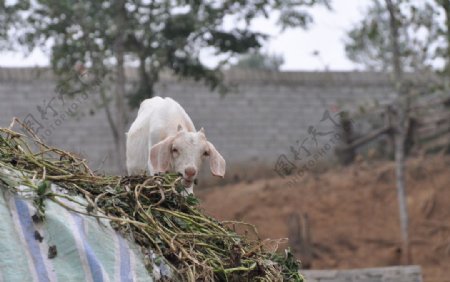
column 163, row 138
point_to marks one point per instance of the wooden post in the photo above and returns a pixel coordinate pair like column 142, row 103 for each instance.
column 300, row 238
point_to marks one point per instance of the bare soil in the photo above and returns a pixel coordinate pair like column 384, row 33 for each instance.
column 351, row 214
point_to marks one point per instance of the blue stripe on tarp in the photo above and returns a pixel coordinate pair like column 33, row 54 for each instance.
column 27, row 227
column 94, row 264
column 125, row 274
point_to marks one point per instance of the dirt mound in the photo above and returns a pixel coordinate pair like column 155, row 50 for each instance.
column 352, row 214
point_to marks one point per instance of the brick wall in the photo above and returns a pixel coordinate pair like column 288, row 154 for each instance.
column 256, row 122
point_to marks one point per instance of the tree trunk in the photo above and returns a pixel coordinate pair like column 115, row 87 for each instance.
column 400, row 131
column 120, row 87
column 446, row 6
column 400, row 138
column 393, row 24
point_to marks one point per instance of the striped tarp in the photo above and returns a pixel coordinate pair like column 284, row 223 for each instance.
column 87, row 248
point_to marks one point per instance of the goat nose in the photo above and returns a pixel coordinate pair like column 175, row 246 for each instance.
column 190, row 171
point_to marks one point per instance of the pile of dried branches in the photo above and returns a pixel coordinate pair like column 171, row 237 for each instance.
column 150, row 210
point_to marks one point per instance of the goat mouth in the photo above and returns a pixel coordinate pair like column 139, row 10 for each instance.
column 187, row 182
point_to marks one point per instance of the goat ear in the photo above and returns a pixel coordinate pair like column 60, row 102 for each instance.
column 160, row 155
column 216, row 161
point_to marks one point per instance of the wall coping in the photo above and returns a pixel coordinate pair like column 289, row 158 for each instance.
column 236, row 76
column 391, row 273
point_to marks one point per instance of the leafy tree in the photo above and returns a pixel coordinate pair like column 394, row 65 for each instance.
column 399, row 36
column 422, row 35
column 260, row 61
column 10, row 20
column 105, row 36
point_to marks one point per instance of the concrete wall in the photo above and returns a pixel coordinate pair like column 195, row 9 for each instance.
column 384, row 274
column 257, row 122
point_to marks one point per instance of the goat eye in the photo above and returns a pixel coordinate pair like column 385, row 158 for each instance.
column 206, row 154
column 174, row 150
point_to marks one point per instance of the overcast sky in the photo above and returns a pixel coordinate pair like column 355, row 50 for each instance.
column 326, row 36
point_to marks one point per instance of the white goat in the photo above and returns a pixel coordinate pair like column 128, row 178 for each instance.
column 163, row 138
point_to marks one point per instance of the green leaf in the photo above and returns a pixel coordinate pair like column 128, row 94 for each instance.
column 43, row 186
